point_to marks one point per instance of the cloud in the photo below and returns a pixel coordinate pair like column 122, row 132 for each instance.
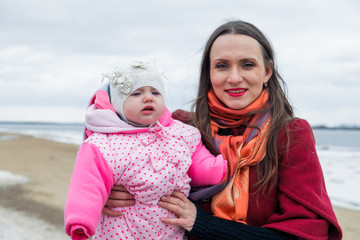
column 52, row 54
column 40, row 113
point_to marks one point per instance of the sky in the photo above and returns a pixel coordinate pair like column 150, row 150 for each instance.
column 53, row 52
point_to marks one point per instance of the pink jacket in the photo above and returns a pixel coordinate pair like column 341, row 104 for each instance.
column 149, row 162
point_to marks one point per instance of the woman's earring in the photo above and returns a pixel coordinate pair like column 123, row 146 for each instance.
column 265, row 85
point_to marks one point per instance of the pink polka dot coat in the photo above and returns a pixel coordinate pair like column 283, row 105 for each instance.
column 149, row 162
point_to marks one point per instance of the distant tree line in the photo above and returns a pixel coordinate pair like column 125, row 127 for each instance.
column 340, row 127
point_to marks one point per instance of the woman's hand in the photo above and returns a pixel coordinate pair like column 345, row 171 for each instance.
column 119, row 197
column 179, row 204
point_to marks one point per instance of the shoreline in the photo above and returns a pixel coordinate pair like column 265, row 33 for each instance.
column 48, row 165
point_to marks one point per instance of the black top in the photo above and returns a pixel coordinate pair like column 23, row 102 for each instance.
column 209, row 227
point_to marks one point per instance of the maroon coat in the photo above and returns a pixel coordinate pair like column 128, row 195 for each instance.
column 299, row 203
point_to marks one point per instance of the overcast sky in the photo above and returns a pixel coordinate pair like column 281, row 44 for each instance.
column 52, row 53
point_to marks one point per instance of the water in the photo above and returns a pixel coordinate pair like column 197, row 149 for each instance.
column 327, row 138
column 60, row 132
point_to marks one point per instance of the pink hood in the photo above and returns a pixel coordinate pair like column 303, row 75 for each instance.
column 102, row 118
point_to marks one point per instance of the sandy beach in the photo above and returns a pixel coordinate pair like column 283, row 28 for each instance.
column 49, row 165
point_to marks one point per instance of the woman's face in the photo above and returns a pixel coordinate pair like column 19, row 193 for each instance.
column 237, row 70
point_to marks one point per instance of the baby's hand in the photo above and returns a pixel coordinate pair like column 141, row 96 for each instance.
column 79, row 233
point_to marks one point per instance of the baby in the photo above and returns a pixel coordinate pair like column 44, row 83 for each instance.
column 133, row 141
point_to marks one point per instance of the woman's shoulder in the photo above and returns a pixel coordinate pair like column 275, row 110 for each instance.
column 297, row 123
column 297, row 131
column 296, row 126
column 182, row 116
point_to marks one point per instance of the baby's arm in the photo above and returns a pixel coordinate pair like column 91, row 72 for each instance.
column 89, row 189
column 206, row 169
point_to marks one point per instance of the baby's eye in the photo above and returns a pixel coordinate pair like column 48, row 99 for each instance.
column 156, row 93
column 136, row 94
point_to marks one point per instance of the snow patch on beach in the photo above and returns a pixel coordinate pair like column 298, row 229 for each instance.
column 9, row 179
column 342, row 177
column 8, row 137
column 17, row 225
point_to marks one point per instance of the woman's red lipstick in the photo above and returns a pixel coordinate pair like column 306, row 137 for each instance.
column 236, row 92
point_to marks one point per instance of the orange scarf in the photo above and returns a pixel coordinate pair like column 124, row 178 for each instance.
column 241, row 152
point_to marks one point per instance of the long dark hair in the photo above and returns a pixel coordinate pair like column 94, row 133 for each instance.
column 280, row 109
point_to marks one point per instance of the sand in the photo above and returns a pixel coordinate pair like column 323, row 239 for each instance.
column 49, row 165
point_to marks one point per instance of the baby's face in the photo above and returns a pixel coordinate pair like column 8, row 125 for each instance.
column 144, row 106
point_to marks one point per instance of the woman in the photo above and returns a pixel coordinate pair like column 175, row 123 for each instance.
column 274, row 188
